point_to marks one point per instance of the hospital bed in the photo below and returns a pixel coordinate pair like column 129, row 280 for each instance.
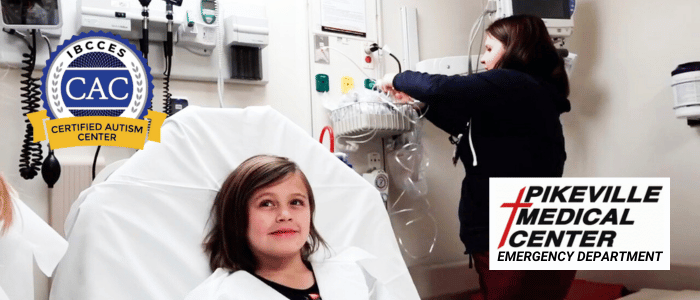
column 138, row 234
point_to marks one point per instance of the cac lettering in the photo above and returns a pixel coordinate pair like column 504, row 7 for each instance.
column 96, row 87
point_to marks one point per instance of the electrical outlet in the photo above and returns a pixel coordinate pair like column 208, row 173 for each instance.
column 321, row 56
column 366, row 47
column 374, row 161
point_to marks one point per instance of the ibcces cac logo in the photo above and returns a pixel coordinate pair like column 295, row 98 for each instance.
column 96, row 89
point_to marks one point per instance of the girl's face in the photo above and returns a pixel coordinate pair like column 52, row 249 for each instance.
column 279, row 218
column 493, row 52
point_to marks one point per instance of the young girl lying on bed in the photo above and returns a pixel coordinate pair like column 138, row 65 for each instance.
column 263, row 235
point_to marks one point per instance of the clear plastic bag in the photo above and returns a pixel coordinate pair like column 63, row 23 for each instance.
column 407, row 163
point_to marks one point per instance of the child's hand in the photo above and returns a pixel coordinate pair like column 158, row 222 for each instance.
column 401, row 97
column 386, row 84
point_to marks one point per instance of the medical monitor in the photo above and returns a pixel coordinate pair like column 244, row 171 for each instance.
column 556, row 14
column 31, row 14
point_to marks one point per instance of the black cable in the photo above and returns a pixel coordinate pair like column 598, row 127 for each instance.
column 374, row 47
column 30, row 158
column 166, row 86
column 168, row 51
column 94, row 161
column 144, row 35
column 144, row 32
column 397, row 61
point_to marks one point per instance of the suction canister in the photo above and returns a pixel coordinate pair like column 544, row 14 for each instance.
column 685, row 82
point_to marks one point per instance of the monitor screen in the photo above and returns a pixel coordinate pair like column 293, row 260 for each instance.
column 37, row 13
column 546, row 9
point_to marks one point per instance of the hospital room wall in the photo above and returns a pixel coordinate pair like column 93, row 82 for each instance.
column 621, row 124
column 287, row 91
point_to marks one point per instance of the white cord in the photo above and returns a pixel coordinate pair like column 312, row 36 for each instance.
column 474, row 26
column 472, row 36
column 372, row 131
column 220, row 45
column 48, row 43
column 352, row 61
column 432, row 221
column 471, row 143
column 489, row 8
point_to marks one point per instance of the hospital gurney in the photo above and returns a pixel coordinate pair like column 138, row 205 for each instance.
column 138, row 234
column 27, row 241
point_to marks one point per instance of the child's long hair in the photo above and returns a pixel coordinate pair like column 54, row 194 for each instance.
column 5, row 205
column 227, row 242
column 529, row 49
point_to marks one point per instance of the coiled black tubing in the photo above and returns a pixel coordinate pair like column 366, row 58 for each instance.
column 30, row 158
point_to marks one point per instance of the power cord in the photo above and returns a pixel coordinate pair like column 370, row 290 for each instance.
column 472, row 37
column 166, row 85
column 30, row 159
column 397, row 60
column 94, row 161
column 375, row 47
column 220, row 50
column 143, row 45
column 489, row 9
column 51, row 167
column 168, row 51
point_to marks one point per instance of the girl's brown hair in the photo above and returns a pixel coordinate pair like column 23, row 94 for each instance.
column 529, row 49
column 227, row 242
column 5, row 206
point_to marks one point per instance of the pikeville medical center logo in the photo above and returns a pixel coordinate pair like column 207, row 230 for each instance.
column 96, row 90
column 579, row 224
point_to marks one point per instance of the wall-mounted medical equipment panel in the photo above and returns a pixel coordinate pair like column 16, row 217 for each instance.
column 685, row 82
column 246, row 36
column 198, row 37
column 23, row 24
column 195, row 27
column 558, row 15
column 45, row 14
column 123, row 17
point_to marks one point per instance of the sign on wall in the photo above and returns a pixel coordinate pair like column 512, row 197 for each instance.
column 344, row 16
column 579, row 224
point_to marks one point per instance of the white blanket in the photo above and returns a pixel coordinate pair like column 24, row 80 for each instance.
column 339, row 278
column 138, row 235
column 28, row 239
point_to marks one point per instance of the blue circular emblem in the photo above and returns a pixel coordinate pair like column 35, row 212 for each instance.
column 96, row 74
